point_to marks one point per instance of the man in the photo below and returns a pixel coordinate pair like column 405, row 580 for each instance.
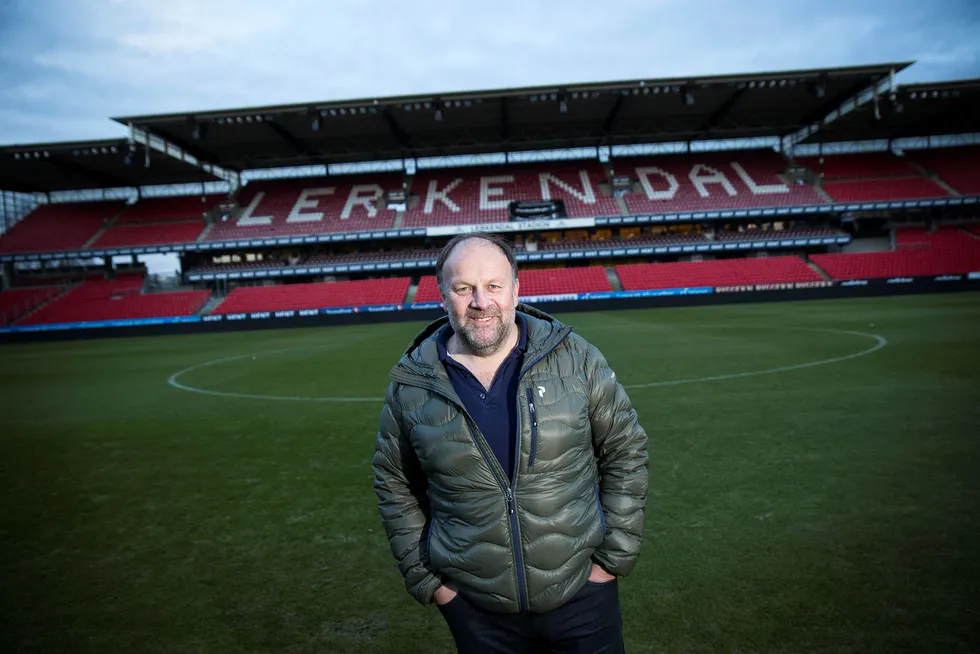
column 510, row 469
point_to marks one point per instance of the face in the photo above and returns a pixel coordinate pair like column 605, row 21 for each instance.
column 480, row 295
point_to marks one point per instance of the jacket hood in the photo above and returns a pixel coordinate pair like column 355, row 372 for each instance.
column 544, row 333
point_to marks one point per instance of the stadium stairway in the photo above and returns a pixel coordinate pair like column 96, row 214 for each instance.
column 209, row 306
column 820, row 271
column 936, row 179
column 106, row 227
column 204, row 232
column 621, row 202
column 45, row 303
column 413, row 287
column 614, row 281
column 822, row 193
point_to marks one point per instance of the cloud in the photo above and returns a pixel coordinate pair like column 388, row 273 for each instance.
column 66, row 66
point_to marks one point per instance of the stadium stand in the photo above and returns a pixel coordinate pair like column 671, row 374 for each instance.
column 958, row 167
column 537, row 282
column 905, row 188
column 247, row 299
column 711, row 180
column 152, row 234
column 53, row 227
column 320, row 260
column 687, row 239
column 16, row 302
column 904, row 263
column 944, row 238
column 428, row 290
column 720, row 272
column 863, row 165
column 115, row 299
column 871, row 176
column 311, row 206
column 156, row 210
column 458, row 196
column 559, row 281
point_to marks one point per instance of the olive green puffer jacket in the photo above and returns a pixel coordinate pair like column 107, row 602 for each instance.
column 525, row 544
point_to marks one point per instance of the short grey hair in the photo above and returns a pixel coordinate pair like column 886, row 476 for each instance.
column 484, row 236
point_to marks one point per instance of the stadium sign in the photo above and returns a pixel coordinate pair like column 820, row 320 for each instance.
column 526, row 256
column 513, row 226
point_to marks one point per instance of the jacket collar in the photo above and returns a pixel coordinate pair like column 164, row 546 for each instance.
column 421, row 359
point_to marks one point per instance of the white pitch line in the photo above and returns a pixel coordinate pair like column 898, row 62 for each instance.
column 247, row 396
column 880, row 342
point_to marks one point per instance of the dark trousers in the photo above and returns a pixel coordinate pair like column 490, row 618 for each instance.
column 589, row 623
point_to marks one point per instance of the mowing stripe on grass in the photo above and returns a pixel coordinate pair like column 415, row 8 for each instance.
column 880, row 342
column 248, row 396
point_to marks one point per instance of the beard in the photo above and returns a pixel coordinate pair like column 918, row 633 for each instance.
column 482, row 339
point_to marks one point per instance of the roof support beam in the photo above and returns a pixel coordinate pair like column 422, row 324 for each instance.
column 287, row 137
column 841, row 104
column 196, row 151
column 610, row 123
column 400, row 136
column 722, row 112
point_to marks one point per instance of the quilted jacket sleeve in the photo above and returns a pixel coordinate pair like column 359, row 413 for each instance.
column 401, row 486
column 621, row 449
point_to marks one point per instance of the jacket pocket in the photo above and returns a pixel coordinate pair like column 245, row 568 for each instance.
column 534, row 427
column 428, row 541
column 602, row 514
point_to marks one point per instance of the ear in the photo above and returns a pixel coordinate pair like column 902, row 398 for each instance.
column 517, row 287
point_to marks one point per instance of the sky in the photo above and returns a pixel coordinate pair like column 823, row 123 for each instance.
column 66, row 66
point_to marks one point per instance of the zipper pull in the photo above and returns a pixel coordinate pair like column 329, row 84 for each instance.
column 510, row 501
column 531, row 406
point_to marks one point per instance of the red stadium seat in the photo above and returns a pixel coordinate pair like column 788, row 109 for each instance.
column 284, row 297
column 904, row 263
column 537, row 282
column 155, row 210
column 861, row 165
column 712, row 181
column 958, row 167
column 946, row 251
column 903, row 188
column 456, row 196
column 721, row 272
column 53, row 227
column 16, row 302
column 116, row 299
column 154, row 234
column 311, row 206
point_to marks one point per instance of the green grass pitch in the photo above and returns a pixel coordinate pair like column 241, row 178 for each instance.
column 823, row 508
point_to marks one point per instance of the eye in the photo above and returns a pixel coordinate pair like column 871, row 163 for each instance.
column 462, row 289
column 495, row 286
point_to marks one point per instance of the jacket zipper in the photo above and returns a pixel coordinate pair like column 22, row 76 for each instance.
column 534, row 428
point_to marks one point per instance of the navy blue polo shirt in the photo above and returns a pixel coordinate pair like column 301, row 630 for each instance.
column 495, row 411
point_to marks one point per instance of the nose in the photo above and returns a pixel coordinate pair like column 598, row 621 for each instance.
column 480, row 299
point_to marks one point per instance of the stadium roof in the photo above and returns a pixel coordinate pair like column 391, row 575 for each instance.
column 90, row 165
column 537, row 118
column 910, row 110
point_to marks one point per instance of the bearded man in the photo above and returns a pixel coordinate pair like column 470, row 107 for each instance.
column 510, row 468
